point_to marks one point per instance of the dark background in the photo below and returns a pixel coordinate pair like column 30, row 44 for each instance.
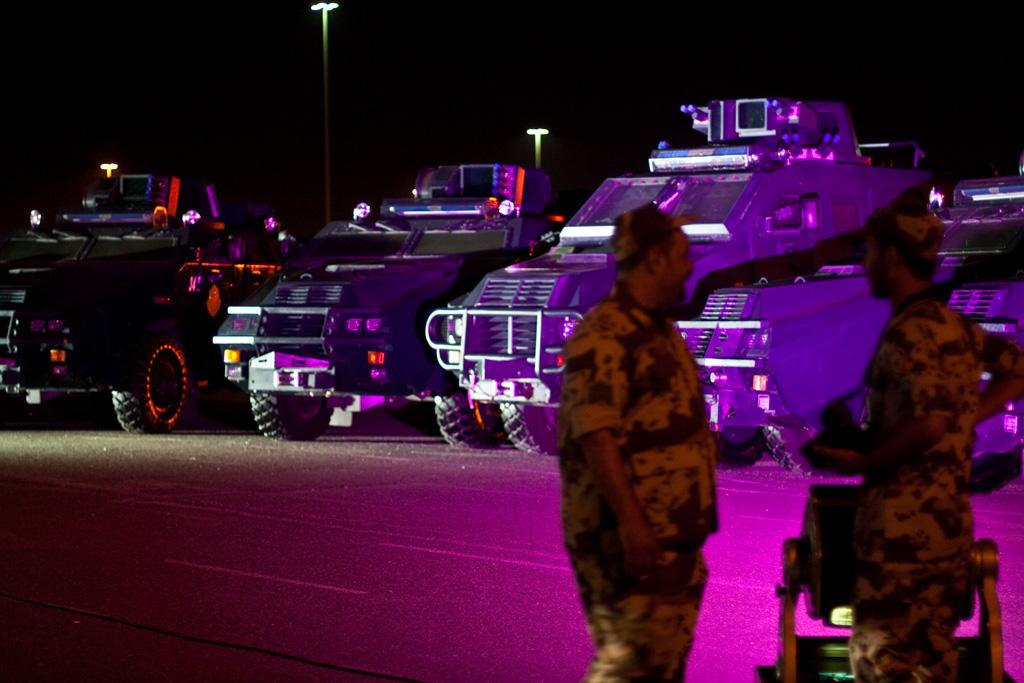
column 233, row 92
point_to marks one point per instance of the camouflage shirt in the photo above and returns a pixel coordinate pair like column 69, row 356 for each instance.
column 929, row 361
column 628, row 371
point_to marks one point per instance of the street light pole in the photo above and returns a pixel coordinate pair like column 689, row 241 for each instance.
column 324, row 8
column 536, row 133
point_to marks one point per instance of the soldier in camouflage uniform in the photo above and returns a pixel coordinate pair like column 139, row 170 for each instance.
column 637, row 461
column 913, row 530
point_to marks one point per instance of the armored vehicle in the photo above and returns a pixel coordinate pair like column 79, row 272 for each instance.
column 123, row 295
column 776, row 178
column 341, row 330
column 774, row 354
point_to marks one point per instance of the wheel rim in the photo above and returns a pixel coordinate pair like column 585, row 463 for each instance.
column 785, row 439
column 166, row 383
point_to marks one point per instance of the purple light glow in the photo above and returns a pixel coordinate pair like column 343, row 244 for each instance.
column 37, row 325
column 508, row 208
column 54, row 325
column 1010, row 424
column 354, row 324
column 379, row 375
column 361, row 211
column 568, row 326
column 811, row 214
column 936, row 198
column 373, row 324
column 270, row 224
column 815, row 154
column 191, row 217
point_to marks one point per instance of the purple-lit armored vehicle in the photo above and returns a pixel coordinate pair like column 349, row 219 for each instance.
column 774, row 354
column 341, row 330
column 778, row 178
column 123, row 295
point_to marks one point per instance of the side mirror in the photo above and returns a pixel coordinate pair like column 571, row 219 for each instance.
column 286, row 242
column 810, row 211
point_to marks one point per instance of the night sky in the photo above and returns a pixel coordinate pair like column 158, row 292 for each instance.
column 233, row 92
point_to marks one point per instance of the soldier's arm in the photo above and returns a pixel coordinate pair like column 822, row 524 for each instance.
column 914, row 363
column 903, row 445
column 1005, row 362
column 637, row 536
column 907, row 443
column 595, row 387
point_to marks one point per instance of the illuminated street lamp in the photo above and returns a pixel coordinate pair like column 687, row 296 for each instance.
column 109, row 168
column 536, row 133
column 324, row 8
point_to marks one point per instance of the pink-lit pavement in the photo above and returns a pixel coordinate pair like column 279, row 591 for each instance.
column 230, row 557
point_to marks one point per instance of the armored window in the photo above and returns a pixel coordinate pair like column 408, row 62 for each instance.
column 444, row 242
column 358, row 245
column 982, row 237
column 116, row 247
column 16, row 249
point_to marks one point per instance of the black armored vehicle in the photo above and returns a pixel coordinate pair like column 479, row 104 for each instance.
column 123, row 295
column 341, row 330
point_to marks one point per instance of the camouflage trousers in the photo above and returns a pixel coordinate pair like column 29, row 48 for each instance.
column 905, row 616
column 642, row 629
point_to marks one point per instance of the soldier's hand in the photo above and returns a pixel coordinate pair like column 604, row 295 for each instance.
column 640, row 545
column 841, row 460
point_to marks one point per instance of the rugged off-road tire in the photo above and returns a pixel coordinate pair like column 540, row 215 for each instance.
column 532, row 429
column 468, row 424
column 741, row 446
column 289, row 417
column 784, row 441
column 153, row 391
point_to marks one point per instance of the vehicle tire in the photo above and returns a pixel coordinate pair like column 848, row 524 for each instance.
column 992, row 470
column 470, row 424
column 289, row 417
column 533, row 429
column 784, row 440
column 741, row 446
column 12, row 409
column 153, row 391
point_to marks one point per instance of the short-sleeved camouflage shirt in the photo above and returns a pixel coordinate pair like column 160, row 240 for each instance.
column 628, row 370
column 929, row 361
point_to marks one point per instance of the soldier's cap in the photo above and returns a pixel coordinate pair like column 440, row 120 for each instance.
column 640, row 230
column 913, row 230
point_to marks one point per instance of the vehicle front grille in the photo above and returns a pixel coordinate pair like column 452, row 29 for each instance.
column 725, row 306
column 534, row 292
column 292, row 325
column 10, row 295
column 308, row 295
column 505, row 335
column 978, row 303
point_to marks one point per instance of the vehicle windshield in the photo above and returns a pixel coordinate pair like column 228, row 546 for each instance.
column 982, row 237
column 349, row 244
column 38, row 248
column 115, row 247
column 710, row 197
column 463, row 242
